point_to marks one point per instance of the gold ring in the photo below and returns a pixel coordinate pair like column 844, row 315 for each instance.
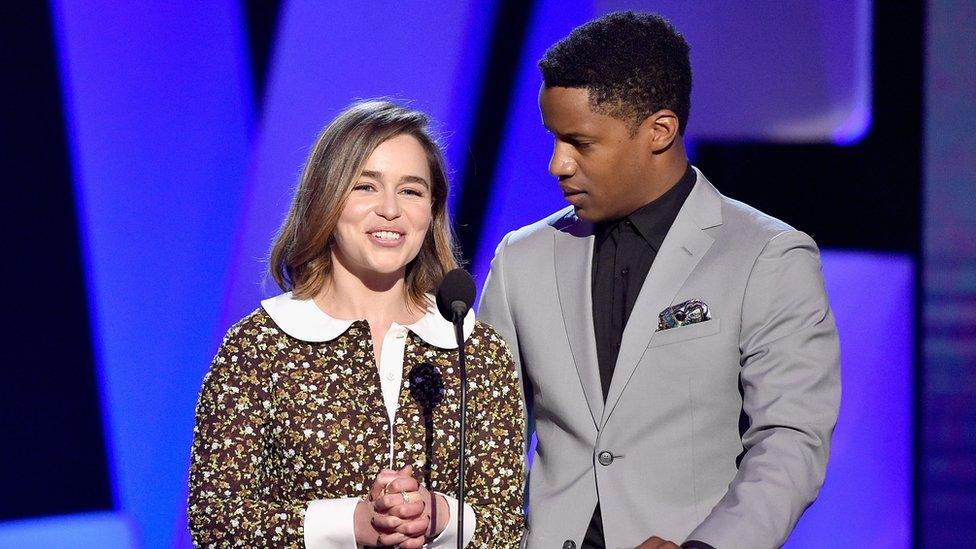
column 406, row 498
column 384, row 491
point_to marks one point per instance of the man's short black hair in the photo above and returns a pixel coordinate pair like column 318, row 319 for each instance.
column 632, row 64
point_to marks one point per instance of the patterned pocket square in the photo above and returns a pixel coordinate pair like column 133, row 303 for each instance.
column 692, row 311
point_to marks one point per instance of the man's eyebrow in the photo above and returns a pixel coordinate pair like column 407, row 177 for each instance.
column 573, row 135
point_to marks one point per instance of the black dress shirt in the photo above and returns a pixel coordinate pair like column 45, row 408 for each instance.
column 623, row 252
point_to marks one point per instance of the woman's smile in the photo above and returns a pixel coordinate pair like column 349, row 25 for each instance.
column 389, row 238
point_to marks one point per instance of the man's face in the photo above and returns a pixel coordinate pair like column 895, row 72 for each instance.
column 602, row 169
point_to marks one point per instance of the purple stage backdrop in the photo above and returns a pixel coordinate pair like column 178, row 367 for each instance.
column 182, row 177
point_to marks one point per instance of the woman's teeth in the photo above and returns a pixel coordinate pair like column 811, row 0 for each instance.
column 387, row 235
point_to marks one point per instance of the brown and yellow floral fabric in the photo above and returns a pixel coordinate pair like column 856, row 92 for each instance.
column 282, row 422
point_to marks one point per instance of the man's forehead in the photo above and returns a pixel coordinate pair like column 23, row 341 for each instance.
column 565, row 104
column 569, row 110
column 568, row 97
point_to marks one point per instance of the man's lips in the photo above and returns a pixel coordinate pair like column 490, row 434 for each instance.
column 573, row 196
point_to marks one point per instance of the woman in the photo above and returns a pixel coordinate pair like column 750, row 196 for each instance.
column 329, row 416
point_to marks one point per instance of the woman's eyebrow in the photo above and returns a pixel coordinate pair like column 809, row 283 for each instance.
column 415, row 179
column 405, row 179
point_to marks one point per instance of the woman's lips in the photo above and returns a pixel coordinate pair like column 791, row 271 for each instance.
column 388, row 239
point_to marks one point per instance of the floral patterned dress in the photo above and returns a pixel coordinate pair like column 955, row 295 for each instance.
column 282, row 422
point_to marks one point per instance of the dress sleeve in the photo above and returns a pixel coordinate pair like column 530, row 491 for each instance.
column 231, row 501
column 329, row 524
column 495, row 476
column 449, row 537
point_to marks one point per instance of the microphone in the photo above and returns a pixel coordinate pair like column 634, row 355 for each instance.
column 455, row 295
column 454, row 298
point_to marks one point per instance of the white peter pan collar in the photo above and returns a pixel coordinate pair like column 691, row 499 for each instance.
column 302, row 319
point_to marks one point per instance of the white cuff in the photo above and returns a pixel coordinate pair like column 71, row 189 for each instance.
column 448, row 537
column 329, row 524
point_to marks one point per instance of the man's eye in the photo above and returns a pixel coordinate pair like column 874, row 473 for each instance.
column 579, row 145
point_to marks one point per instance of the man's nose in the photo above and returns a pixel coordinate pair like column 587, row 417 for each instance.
column 561, row 164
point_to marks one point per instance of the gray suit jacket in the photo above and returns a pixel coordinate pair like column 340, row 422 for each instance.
column 717, row 431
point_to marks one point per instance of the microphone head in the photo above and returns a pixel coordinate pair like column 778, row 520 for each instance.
column 457, row 286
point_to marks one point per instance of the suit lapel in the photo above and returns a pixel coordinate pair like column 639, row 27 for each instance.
column 680, row 252
column 573, row 261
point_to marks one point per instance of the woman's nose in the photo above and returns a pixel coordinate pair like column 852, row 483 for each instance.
column 389, row 206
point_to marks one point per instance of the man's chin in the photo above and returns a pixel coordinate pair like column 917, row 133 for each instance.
column 588, row 214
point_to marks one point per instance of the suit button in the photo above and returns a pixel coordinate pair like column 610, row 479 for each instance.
column 569, row 544
column 605, row 458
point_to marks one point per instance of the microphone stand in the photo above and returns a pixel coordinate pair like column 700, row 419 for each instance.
column 460, row 309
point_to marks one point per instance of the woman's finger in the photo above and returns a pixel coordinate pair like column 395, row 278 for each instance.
column 415, row 527
column 405, row 504
column 382, row 481
column 412, row 543
column 385, row 524
column 395, row 538
column 409, row 511
column 402, row 484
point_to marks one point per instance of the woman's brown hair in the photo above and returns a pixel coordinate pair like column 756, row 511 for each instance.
column 300, row 258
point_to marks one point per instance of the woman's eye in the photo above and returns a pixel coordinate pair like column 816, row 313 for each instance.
column 363, row 187
column 413, row 192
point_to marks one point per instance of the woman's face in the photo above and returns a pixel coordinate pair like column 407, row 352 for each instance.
column 386, row 217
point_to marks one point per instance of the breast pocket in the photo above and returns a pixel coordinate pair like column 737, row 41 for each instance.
column 685, row 333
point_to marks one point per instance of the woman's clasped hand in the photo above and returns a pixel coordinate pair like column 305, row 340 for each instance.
column 400, row 511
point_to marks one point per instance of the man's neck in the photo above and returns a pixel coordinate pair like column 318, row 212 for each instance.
column 670, row 166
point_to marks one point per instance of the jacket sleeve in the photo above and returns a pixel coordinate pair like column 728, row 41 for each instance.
column 494, row 309
column 495, row 475
column 790, row 377
column 230, row 500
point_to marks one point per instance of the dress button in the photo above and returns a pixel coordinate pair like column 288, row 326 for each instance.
column 569, row 544
column 389, row 376
column 605, row 458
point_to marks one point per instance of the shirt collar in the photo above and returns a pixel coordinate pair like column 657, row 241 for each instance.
column 302, row 319
column 654, row 219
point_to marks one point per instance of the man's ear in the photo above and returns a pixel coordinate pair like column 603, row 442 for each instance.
column 659, row 130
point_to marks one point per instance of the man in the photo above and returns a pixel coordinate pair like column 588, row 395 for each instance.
column 677, row 347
